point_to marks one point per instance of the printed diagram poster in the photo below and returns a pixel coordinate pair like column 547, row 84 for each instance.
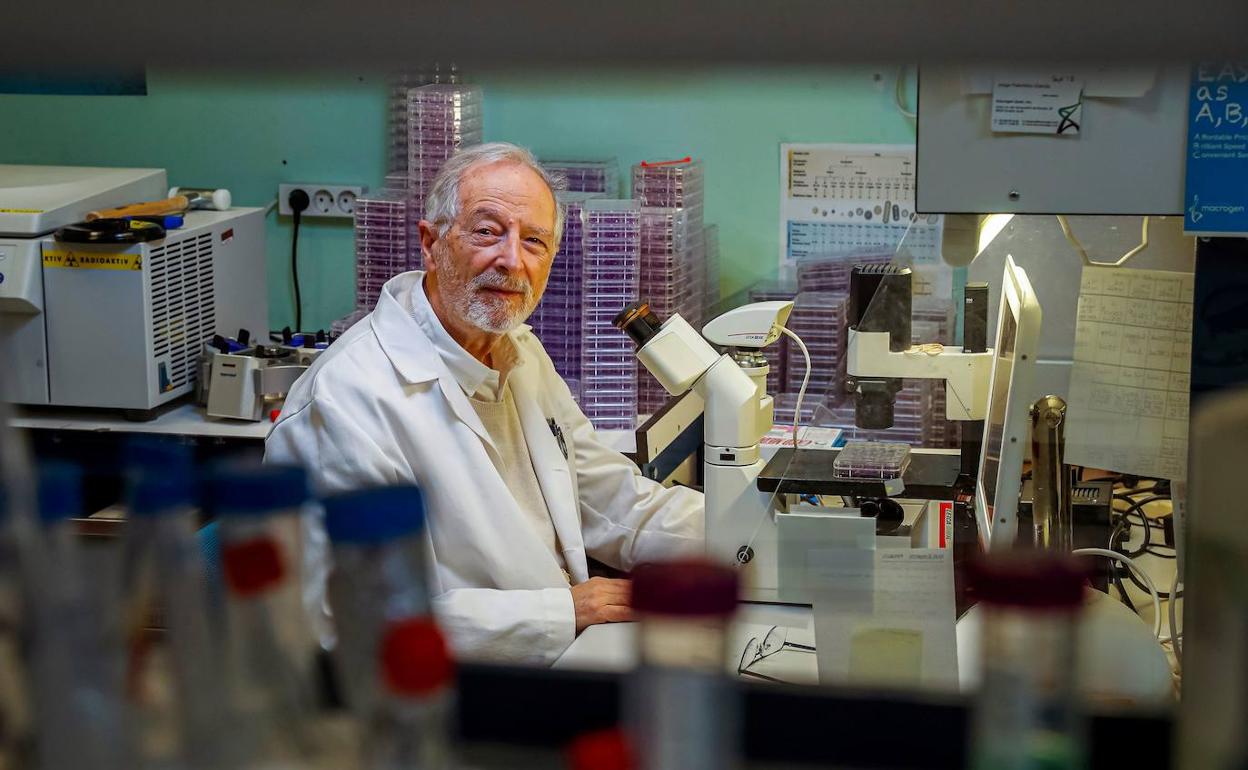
column 854, row 201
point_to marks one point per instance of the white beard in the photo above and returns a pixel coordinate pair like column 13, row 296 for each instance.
column 484, row 311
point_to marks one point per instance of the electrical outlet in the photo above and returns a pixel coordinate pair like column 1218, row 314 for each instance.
column 325, row 200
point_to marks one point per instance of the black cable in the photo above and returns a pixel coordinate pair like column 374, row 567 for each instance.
column 294, row 273
column 1124, row 522
column 298, row 204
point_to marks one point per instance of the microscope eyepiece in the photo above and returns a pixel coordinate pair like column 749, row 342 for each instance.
column 638, row 322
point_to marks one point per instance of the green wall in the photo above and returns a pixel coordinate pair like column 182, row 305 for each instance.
column 250, row 130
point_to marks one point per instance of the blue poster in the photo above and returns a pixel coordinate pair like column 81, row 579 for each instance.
column 1216, row 192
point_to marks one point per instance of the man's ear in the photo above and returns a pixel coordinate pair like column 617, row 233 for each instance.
column 428, row 237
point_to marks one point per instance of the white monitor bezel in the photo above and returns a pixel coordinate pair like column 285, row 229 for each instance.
column 1018, row 299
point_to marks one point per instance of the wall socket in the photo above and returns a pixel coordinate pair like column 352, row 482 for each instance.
column 325, row 200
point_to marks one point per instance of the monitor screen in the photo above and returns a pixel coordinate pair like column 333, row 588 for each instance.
column 994, row 430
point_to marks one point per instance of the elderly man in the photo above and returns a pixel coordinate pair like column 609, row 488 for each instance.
column 443, row 386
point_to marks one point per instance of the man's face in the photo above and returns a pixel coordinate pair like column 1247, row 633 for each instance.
column 491, row 267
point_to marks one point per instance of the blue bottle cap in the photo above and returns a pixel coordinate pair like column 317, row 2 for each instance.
column 233, row 489
column 60, row 491
column 160, row 475
column 374, row 515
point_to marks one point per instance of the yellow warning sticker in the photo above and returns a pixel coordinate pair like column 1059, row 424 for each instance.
column 92, row 260
column 21, row 211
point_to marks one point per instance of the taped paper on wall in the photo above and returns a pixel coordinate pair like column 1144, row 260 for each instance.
column 1037, row 103
column 1131, row 381
column 847, row 200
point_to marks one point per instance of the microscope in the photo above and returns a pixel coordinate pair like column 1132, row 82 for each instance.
column 746, row 497
column 737, row 411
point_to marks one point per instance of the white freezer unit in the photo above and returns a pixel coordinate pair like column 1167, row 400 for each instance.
column 121, row 326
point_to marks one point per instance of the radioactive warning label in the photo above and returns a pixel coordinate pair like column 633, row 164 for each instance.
column 92, row 260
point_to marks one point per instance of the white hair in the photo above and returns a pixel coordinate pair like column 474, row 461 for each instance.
column 442, row 202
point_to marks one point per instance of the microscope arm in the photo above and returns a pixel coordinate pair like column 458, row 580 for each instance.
column 966, row 375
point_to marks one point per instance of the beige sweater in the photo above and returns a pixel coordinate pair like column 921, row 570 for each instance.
column 502, row 422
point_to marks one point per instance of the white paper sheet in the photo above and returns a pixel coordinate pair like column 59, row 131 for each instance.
column 906, row 638
column 1131, row 381
column 857, row 199
column 1037, row 103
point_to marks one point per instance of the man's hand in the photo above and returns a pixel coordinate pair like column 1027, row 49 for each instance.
column 602, row 600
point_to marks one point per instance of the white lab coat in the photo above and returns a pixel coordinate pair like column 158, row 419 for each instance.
column 381, row 407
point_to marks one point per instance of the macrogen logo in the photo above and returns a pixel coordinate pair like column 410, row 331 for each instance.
column 1196, row 211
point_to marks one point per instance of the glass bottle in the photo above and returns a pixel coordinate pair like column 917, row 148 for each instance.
column 172, row 629
column 392, row 660
column 76, row 659
column 1027, row 715
column 683, row 710
column 270, row 646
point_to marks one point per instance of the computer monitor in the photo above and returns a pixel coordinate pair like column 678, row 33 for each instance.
column 1006, row 426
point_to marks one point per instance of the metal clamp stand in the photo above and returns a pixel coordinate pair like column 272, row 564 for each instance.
column 1051, row 512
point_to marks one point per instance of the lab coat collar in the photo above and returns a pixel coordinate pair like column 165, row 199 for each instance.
column 407, row 343
column 414, row 355
column 470, row 373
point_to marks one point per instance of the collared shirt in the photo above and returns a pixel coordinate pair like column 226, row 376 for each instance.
column 475, row 378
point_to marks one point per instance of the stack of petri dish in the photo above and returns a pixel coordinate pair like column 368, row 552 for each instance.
column 556, row 321
column 609, row 273
column 381, row 243
column 590, row 176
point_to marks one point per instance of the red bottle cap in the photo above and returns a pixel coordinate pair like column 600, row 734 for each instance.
column 252, row 566
column 602, row 750
column 687, row 587
column 414, row 657
column 1028, row 580
column 274, row 414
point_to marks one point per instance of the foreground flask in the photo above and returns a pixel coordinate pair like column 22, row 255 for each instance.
column 173, row 689
column 393, row 664
column 77, row 663
column 271, row 674
column 683, row 710
column 1027, row 713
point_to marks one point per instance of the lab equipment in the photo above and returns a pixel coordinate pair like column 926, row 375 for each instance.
column 173, row 675
column 998, row 482
column 218, row 199
column 1052, row 525
column 392, row 659
column 117, row 326
column 879, row 351
column 76, row 654
column 270, row 643
column 681, row 707
column 1027, row 714
column 986, row 386
column 737, row 413
column 249, row 384
column 1114, row 167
